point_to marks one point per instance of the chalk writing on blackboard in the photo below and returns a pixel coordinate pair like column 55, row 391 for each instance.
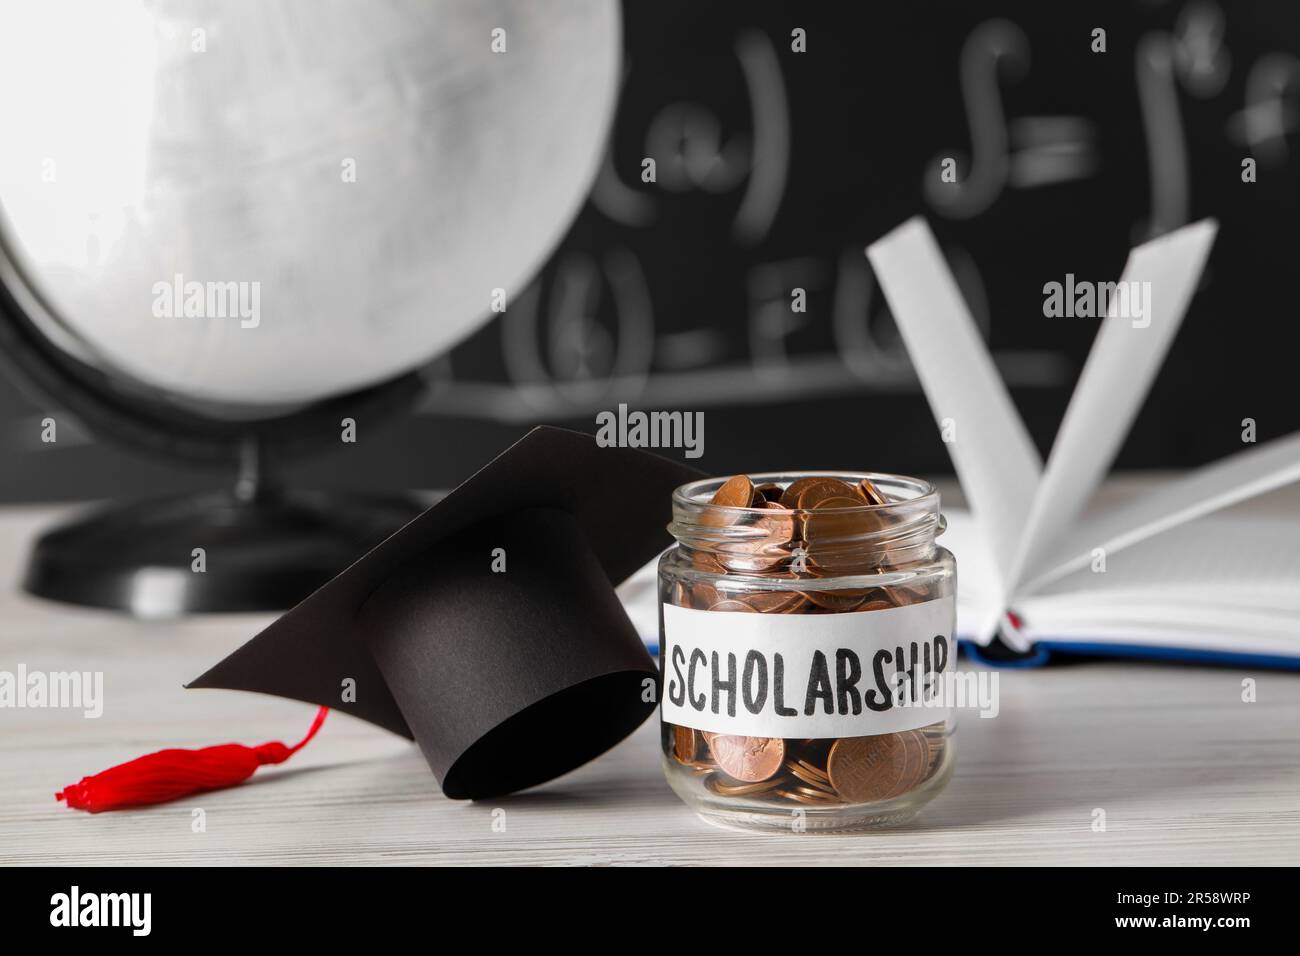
column 592, row 337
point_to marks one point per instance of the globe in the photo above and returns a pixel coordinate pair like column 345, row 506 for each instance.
column 221, row 216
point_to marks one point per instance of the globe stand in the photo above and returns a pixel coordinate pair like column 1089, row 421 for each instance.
column 263, row 548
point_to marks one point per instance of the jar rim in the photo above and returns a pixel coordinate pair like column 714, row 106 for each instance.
column 924, row 493
column 902, row 529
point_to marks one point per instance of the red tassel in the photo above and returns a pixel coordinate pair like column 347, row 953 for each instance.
column 172, row 774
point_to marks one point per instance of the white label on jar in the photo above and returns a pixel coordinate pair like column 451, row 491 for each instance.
column 807, row 675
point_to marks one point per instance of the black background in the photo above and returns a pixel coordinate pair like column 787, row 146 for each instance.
column 1020, row 904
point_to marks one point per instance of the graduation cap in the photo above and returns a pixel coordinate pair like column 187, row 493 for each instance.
column 487, row 629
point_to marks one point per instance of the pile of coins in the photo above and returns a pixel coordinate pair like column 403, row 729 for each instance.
column 812, row 529
column 814, row 772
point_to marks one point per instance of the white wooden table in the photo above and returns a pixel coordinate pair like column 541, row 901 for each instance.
column 1184, row 770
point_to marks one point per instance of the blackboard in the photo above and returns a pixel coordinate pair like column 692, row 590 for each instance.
column 776, row 167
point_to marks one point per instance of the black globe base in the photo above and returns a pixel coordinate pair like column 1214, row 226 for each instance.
column 218, row 552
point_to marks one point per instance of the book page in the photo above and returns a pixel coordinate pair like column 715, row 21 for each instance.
column 1227, row 583
column 1236, row 575
column 1143, row 316
column 1210, row 488
column 1243, row 562
column 991, row 450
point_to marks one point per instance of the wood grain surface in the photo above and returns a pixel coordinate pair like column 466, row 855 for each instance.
column 1185, row 771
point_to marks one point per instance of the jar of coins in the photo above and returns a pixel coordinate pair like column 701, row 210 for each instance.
column 806, row 628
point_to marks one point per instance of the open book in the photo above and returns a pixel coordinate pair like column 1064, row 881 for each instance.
column 1159, row 576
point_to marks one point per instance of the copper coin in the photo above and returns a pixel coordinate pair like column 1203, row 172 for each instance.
column 936, row 738
column 918, row 765
column 717, row 784
column 698, row 595
column 866, row 769
column 936, row 733
column 870, row 493
column 778, row 522
column 705, row 561
column 685, row 743
column 814, row 770
column 773, row 602
column 834, row 533
column 731, row 606
column 913, row 594
column 815, row 780
column 879, row 598
column 766, row 551
column 735, row 492
column 931, row 765
column 824, row 489
column 816, row 793
column 703, row 595
column 813, row 766
column 876, row 605
column 811, row 797
column 790, row 497
column 781, row 520
column 748, row 759
column 845, row 600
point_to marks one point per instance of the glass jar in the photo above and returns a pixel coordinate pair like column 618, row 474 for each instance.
column 806, row 622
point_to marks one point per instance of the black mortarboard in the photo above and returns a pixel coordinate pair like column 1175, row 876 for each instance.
column 510, row 667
